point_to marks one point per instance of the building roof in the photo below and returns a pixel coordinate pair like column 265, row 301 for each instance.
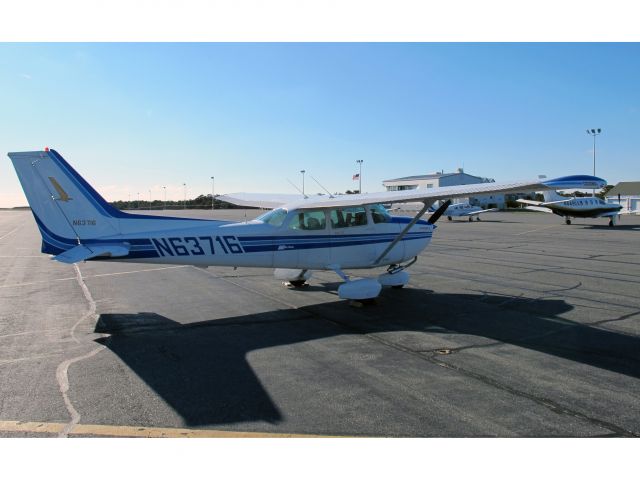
column 625, row 188
column 429, row 176
column 419, row 177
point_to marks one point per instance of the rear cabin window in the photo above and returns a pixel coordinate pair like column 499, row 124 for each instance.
column 312, row 220
column 348, row 217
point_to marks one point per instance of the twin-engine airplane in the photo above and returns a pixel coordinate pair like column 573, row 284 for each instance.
column 572, row 207
column 299, row 235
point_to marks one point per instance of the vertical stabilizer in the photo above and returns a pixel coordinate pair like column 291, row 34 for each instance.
column 552, row 196
column 66, row 208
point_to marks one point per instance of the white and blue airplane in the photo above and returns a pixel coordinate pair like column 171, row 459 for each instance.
column 574, row 207
column 466, row 210
column 297, row 236
column 460, row 209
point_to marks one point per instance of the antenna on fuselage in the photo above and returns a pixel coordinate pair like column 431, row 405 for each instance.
column 296, row 187
column 321, row 186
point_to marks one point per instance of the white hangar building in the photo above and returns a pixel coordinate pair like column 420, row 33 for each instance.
column 441, row 179
column 626, row 194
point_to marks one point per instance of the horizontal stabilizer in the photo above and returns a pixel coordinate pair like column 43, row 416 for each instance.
column 544, row 204
column 529, row 202
column 538, row 209
column 82, row 252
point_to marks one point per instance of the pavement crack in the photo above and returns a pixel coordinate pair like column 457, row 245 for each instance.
column 545, row 402
column 435, row 358
column 62, row 375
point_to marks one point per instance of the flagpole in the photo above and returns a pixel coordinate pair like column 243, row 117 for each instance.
column 360, row 176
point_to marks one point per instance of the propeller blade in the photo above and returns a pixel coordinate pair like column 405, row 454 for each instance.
column 438, row 213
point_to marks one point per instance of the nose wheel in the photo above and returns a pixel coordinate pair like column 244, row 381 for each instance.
column 567, row 221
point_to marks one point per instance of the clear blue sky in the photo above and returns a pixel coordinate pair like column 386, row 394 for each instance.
column 134, row 117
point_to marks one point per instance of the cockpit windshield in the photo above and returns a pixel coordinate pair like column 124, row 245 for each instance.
column 273, row 217
column 379, row 214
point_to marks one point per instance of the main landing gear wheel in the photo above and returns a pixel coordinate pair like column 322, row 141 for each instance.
column 449, row 218
column 567, row 221
column 611, row 224
column 471, row 219
column 292, row 277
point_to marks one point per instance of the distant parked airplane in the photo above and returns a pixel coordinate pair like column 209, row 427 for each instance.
column 575, row 207
column 300, row 234
column 466, row 210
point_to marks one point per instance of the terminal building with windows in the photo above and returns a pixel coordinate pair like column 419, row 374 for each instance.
column 442, row 179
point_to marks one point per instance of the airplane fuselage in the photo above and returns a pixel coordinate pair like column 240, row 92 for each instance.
column 260, row 244
column 586, row 207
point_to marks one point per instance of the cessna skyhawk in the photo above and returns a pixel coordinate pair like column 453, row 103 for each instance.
column 300, row 234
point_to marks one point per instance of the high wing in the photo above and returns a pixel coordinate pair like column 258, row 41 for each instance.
column 261, row 200
column 477, row 212
column 426, row 196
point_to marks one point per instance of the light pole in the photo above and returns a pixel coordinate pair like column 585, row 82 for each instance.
column 594, row 132
column 302, row 172
column 165, row 198
column 359, row 162
column 149, row 199
column 184, row 204
column 138, row 203
column 212, row 193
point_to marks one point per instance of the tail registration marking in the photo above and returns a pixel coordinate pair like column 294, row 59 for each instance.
column 184, row 246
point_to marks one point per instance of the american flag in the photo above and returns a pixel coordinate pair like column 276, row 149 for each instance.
column 356, row 176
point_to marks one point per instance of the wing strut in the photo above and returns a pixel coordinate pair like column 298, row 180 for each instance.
column 403, row 232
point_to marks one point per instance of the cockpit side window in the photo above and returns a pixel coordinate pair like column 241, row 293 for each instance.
column 308, row 220
column 348, row 217
column 273, row 217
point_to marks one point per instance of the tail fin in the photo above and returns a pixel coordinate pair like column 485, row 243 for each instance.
column 552, row 196
column 66, row 208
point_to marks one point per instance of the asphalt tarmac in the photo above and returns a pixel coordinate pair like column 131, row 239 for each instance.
column 516, row 326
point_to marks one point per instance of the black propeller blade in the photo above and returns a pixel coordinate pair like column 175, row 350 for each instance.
column 438, row 213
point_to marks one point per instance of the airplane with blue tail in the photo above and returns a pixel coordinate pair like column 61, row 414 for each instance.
column 572, row 207
column 297, row 235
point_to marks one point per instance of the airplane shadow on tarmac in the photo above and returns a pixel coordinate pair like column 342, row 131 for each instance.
column 201, row 369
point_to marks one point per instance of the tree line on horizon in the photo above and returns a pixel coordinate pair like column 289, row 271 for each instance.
column 200, row 202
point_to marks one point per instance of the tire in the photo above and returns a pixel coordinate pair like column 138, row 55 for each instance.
column 449, row 218
column 568, row 221
column 298, row 283
column 478, row 219
column 397, row 286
